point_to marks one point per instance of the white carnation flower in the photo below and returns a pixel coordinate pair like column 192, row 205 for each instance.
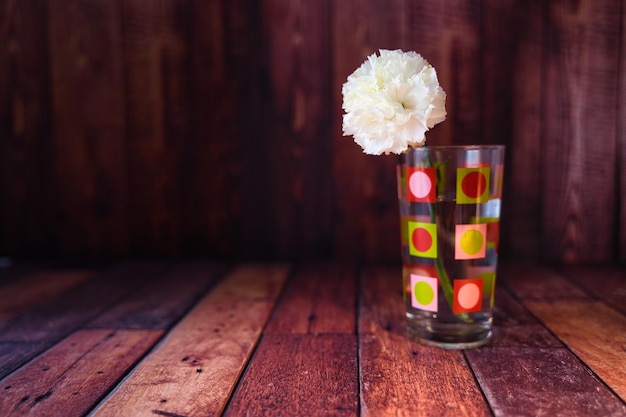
column 391, row 101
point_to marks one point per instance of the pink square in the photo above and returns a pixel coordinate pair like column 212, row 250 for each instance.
column 422, row 184
column 424, row 292
column 470, row 241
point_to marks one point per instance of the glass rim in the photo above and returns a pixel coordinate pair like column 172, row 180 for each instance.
column 460, row 147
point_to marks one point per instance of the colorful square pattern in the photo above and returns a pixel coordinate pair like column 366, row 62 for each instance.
column 470, row 241
column 488, row 274
column 468, row 295
column 422, row 239
column 472, row 185
column 424, row 293
column 422, row 185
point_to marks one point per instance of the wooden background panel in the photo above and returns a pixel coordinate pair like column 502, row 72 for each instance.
column 223, row 163
column 250, row 145
column 366, row 220
column 521, row 220
column 156, row 43
column 26, row 191
column 88, row 135
column 448, row 35
column 621, row 146
column 579, row 158
column 210, row 197
column 298, row 133
column 213, row 128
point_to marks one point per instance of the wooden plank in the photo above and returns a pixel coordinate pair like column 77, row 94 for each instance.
column 11, row 271
column 320, row 298
column 621, row 147
column 26, row 220
column 71, row 377
column 497, row 38
column 297, row 39
column 47, row 323
column 155, row 52
column 513, row 325
column 247, row 144
column 208, row 348
column 30, row 290
column 212, row 171
column 164, row 301
column 604, row 281
column 381, row 303
column 530, row 281
column 448, row 34
column 88, row 137
column 540, row 382
column 401, row 377
column 578, row 181
column 14, row 354
column 300, row 375
column 521, row 209
column 593, row 331
column 367, row 223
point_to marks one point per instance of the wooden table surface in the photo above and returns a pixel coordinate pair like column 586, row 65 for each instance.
column 202, row 338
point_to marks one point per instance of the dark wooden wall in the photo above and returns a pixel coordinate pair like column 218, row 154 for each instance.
column 212, row 128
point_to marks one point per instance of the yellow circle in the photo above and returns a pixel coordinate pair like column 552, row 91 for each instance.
column 471, row 241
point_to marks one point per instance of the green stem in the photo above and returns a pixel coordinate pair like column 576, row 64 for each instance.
column 441, row 270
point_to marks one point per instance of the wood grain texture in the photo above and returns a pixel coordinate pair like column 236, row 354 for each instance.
column 362, row 183
column 300, row 375
column 589, row 328
column 613, row 279
column 320, row 298
column 208, row 348
column 211, row 168
column 15, row 354
column 88, row 147
column 299, row 71
column 538, row 282
column 156, row 40
column 579, row 156
column 448, row 34
column 165, row 300
column 247, row 136
column 399, row 377
column 71, row 377
column 621, row 149
column 26, row 219
column 566, row 388
column 523, row 169
column 213, row 128
column 45, row 324
column 513, row 325
column 239, row 351
column 33, row 289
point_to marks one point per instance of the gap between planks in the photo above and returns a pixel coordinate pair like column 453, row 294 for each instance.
column 195, row 368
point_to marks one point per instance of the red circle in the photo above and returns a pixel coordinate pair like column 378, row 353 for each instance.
column 474, row 184
column 422, row 241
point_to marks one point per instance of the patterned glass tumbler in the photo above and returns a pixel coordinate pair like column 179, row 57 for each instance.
column 450, row 198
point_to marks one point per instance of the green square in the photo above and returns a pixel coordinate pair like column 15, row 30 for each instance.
column 472, row 185
column 422, row 238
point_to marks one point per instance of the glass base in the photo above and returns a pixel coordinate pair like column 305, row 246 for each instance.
column 449, row 335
